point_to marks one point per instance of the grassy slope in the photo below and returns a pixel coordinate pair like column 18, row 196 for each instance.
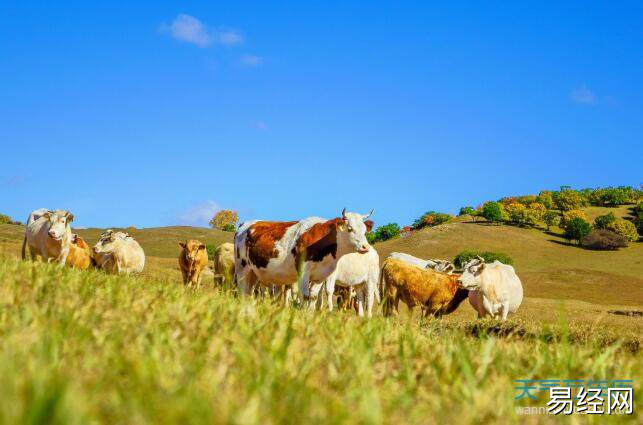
column 85, row 347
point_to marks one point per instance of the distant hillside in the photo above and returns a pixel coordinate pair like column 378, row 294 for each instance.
column 547, row 265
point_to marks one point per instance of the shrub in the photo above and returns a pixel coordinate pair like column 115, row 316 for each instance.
column 568, row 216
column 5, row 219
column 602, row 239
column 223, row 219
column 625, row 228
column 613, row 196
column 576, row 229
column 466, row 211
column 537, row 211
column 384, row 233
column 527, row 199
column 545, row 198
column 567, row 200
column 465, row 256
column 210, row 248
column 551, row 218
column 430, row 219
column 516, row 213
column 493, row 212
column 603, row 221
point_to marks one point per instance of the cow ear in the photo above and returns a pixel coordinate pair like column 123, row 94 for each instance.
column 182, row 245
column 70, row 217
column 202, row 246
column 47, row 215
column 369, row 225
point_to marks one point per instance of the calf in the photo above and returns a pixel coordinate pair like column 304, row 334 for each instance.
column 193, row 258
column 80, row 255
column 436, row 293
column 443, row 266
column 48, row 234
column 495, row 289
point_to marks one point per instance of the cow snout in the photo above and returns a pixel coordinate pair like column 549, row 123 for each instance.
column 53, row 235
column 363, row 249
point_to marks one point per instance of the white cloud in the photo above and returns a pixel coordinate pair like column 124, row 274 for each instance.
column 191, row 30
column 251, row 60
column 198, row 215
column 584, row 96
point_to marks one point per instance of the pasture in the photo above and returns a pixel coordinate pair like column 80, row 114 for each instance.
column 86, row 347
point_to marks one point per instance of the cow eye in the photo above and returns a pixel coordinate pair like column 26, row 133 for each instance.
column 350, row 229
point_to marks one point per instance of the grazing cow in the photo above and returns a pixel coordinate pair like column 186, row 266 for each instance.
column 224, row 264
column 280, row 253
column 118, row 252
column 495, row 289
column 80, row 255
column 437, row 293
column 193, row 258
column 48, row 233
column 358, row 271
column 443, row 266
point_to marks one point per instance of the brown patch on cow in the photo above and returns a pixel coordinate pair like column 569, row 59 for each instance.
column 317, row 242
column 369, row 225
column 261, row 239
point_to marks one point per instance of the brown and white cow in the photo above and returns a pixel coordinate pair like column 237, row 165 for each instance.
column 280, row 253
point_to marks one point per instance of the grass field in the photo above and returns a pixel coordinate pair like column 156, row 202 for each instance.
column 85, row 347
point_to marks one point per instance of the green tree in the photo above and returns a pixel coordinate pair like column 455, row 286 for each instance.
column 385, row 232
column 603, row 221
column 545, row 197
column 466, row 211
column 493, row 212
column 430, row 219
column 489, row 257
column 576, row 229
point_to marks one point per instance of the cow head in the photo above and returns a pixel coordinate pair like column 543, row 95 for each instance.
column 59, row 223
column 191, row 249
column 352, row 232
column 444, row 266
column 471, row 276
column 107, row 239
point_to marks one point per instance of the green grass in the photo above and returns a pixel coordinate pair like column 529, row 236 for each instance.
column 85, row 347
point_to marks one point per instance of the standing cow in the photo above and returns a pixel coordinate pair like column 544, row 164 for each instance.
column 48, row 233
column 224, row 264
column 494, row 289
column 118, row 252
column 358, row 271
column 193, row 258
column 280, row 253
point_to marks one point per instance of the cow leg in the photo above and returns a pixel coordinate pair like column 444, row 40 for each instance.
column 505, row 310
column 330, row 291
column 371, row 288
column 245, row 281
column 304, row 283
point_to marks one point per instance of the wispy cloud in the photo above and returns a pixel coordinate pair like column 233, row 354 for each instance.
column 251, row 60
column 229, row 37
column 260, row 125
column 15, row 180
column 584, row 96
column 198, row 215
column 189, row 29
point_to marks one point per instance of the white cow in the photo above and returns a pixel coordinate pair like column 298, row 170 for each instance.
column 494, row 289
column 442, row 266
column 118, row 252
column 355, row 271
column 48, row 233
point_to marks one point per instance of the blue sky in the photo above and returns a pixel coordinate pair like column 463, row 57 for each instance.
column 161, row 112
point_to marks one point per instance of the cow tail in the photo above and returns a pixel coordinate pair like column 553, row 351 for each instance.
column 24, row 246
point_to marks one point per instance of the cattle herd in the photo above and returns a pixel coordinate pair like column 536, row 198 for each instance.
column 317, row 258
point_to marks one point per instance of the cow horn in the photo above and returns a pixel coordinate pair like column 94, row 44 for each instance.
column 344, row 213
column 480, row 258
column 368, row 215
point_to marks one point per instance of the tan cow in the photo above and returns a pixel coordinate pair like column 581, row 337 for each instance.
column 436, row 293
column 192, row 260
column 48, row 234
column 118, row 252
column 80, row 255
column 224, row 265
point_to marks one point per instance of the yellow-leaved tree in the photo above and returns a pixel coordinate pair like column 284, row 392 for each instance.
column 225, row 220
